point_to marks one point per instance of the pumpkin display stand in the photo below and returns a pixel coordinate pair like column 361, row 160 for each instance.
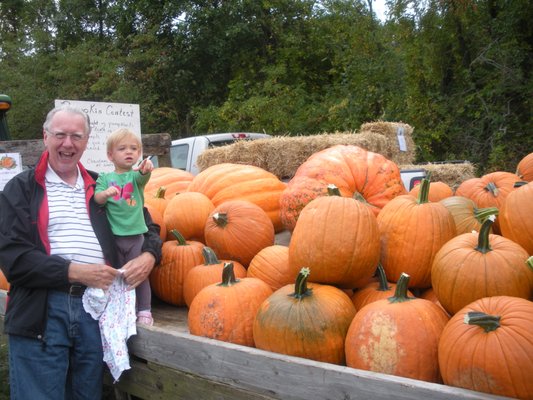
column 170, row 363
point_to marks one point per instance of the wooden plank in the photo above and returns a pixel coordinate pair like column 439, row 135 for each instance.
column 169, row 362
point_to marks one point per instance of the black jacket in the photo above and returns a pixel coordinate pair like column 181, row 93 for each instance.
column 25, row 249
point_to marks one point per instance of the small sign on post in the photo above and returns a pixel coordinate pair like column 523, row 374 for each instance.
column 10, row 165
column 105, row 118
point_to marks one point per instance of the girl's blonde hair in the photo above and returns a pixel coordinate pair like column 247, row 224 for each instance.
column 120, row 134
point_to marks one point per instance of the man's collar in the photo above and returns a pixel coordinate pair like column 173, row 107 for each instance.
column 52, row 177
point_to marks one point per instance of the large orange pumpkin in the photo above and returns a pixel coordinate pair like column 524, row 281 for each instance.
column 361, row 174
column 187, row 213
column 271, row 265
column 172, row 179
column 516, row 217
column 302, row 320
column 226, row 310
column 238, row 230
column 465, row 213
column 207, row 273
column 157, row 217
column 157, row 200
column 476, row 265
column 224, row 182
column 338, row 239
column 488, row 346
column 490, row 190
column 178, row 258
column 397, row 336
column 412, row 231
column 524, row 169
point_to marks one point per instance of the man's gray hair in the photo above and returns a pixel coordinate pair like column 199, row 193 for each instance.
column 70, row 110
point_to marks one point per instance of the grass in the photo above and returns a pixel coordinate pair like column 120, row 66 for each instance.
column 4, row 371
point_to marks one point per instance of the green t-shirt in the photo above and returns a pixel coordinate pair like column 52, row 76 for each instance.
column 125, row 211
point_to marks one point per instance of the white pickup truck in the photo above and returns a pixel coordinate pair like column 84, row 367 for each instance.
column 184, row 152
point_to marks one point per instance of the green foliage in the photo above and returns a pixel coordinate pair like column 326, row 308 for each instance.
column 458, row 71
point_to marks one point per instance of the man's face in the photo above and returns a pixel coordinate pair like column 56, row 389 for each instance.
column 66, row 141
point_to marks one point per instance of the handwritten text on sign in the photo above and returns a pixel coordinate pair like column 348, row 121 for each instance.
column 105, row 118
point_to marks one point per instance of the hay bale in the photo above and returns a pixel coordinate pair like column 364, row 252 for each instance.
column 282, row 155
column 401, row 151
column 452, row 173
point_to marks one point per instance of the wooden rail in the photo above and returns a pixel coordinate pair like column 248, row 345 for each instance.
column 170, row 363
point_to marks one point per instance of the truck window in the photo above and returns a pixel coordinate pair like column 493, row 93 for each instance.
column 222, row 142
column 178, row 156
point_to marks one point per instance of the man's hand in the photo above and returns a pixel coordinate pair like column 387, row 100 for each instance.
column 137, row 270
column 92, row 275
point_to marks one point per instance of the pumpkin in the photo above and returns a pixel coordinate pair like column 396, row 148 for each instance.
column 187, row 213
column 157, row 200
column 361, row 174
column 172, row 179
column 338, row 239
column 226, row 310
column 412, row 231
column 4, row 284
column 490, row 190
column 375, row 290
column 429, row 294
column 226, row 181
column 466, row 215
column 207, row 273
column 157, row 217
column 271, row 265
column 516, row 216
column 476, row 265
column 437, row 191
column 397, row 336
column 238, row 230
column 305, row 320
column 487, row 346
column 524, row 169
column 178, row 258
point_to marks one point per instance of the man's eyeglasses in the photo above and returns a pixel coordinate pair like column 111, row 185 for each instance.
column 75, row 137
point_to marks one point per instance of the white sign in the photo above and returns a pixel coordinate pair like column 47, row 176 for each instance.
column 105, row 118
column 402, row 144
column 10, row 165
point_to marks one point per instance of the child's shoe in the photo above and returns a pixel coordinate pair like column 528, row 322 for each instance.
column 145, row 318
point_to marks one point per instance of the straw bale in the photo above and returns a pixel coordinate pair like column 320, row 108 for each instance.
column 453, row 174
column 282, row 155
column 390, row 130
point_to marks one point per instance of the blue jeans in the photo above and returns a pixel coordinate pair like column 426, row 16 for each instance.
column 67, row 364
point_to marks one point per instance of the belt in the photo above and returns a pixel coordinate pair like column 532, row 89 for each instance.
column 75, row 290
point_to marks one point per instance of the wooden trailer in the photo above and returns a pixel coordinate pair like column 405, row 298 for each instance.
column 170, row 363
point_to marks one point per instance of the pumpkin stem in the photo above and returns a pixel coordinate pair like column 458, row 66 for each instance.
column 481, row 214
column 210, row 258
column 333, row 190
column 228, row 275
column 520, row 184
column 179, row 237
column 221, row 219
column 488, row 322
column 483, row 244
column 400, row 294
column 300, row 287
column 359, row 197
column 529, row 262
column 382, row 279
column 160, row 193
column 491, row 187
column 423, row 194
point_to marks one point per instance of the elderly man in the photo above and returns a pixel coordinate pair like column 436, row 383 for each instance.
column 54, row 242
